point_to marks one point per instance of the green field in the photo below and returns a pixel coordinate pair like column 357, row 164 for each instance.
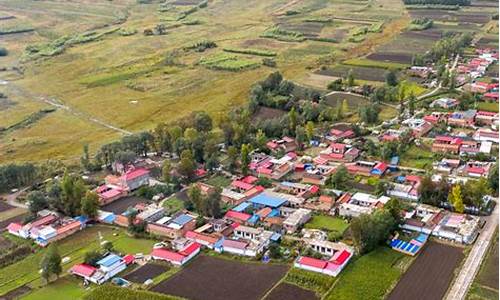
column 370, row 276
column 485, row 285
column 173, row 205
column 65, row 288
column 327, row 223
column 488, row 106
column 74, row 247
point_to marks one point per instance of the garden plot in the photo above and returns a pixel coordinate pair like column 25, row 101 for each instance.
column 148, row 271
column 430, row 275
column 220, row 279
column 354, row 101
column 451, row 16
column 119, row 206
column 267, row 113
column 290, row 291
column 307, row 29
column 397, row 57
column 363, row 73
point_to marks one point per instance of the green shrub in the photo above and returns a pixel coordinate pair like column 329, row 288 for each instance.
column 251, row 51
column 283, row 35
column 310, row 280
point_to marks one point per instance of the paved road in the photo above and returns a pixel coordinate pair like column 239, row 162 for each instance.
column 462, row 283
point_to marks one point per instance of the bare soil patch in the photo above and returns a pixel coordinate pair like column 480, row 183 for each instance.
column 265, row 113
column 5, row 206
column 430, row 275
column 16, row 219
column 148, row 271
column 354, row 101
column 363, row 73
column 403, row 58
column 286, row 291
column 221, row 279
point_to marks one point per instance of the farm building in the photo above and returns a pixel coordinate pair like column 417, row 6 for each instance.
column 339, row 152
column 331, row 267
column 296, row 219
column 447, row 144
column 486, row 135
column 247, row 241
column 177, row 258
column 405, row 187
column 106, row 268
column 360, row 203
column 174, row 227
column 131, row 180
column 412, row 247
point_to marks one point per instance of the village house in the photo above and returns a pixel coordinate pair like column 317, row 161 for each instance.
column 486, row 118
column 435, row 117
column 177, row 258
column 446, row 166
column 340, row 132
column 405, row 187
column 486, row 135
column 296, row 219
column 462, row 118
column 174, row 227
column 286, row 144
column 446, row 103
column 418, row 127
column 471, row 147
column 246, row 241
column 298, row 189
column 107, row 268
column 322, row 203
column 420, row 71
column 338, row 152
column 475, row 169
column 131, row 180
column 447, row 144
column 360, row 203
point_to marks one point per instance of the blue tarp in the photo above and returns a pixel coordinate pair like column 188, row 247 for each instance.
column 422, row 238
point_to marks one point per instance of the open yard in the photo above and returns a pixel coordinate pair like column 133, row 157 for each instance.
column 430, row 275
column 370, row 276
column 219, row 279
column 327, row 223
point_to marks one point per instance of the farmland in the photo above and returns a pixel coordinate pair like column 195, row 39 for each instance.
column 234, row 279
column 431, row 273
column 136, row 89
column 485, row 285
column 290, row 291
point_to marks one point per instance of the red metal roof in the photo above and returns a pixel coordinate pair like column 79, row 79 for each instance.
column 250, row 179
column 234, row 244
column 242, row 185
column 83, row 270
column 167, row 255
column 237, row 215
column 68, row 227
column 312, row 262
column 128, row 259
column 190, row 249
column 135, row 173
column 14, row 227
column 343, row 256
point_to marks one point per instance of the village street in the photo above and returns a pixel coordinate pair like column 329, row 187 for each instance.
column 458, row 290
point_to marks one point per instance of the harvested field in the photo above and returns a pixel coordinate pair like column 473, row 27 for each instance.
column 290, row 291
column 353, row 100
column 234, row 280
column 430, row 34
column 403, row 58
column 5, row 243
column 121, row 205
column 265, row 113
column 308, row 29
column 186, row 2
column 451, row 16
column 262, row 43
column 363, row 73
column 148, row 271
column 430, row 275
column 484, row 3
column 5, row 206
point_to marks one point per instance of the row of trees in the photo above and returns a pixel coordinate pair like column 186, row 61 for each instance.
column 205, row 205
column 437, row 2
column 69, row 196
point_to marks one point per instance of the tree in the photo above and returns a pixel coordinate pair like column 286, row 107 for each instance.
column 339, row 114
column 202, row 122
column 310, row 130
column 232, row 158
column 411, row 104
column 456, row 199
column 90, row 204
column 339, row 179
column 187, row 165
column 36, row 201
column 245, row 158
column 350, row 78
column 394, row 207
column 274, row 251
column 92, row 257
column 195, row 197
column 391, row 78
column 292, row 118
column 260, row 140
column 493, row 178
column 72, row 191
column 213, row 204
column 85, row 159
column 51, row 263
column 368, row 231
column 335, row 85
column 107, row 246
column 166, row 171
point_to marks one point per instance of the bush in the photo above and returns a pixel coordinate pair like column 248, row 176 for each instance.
column 3, row 51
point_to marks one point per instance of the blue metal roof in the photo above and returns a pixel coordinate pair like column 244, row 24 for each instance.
column 182, row 219
column 109, row 260
column 395, row 160
column 274, row 213
column 266, row 200
column 275, row 237
column 254, row 219
column 242, row 206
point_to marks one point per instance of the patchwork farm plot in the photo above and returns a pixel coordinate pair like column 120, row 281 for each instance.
column 119, row 207
column 290, row 291
column 430, row 275
column 234, row 280
column 143, row 273
column 362, row 73
column 335, row 98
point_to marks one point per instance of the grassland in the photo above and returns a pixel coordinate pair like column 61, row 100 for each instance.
column 327, row 223
column 125, row 81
